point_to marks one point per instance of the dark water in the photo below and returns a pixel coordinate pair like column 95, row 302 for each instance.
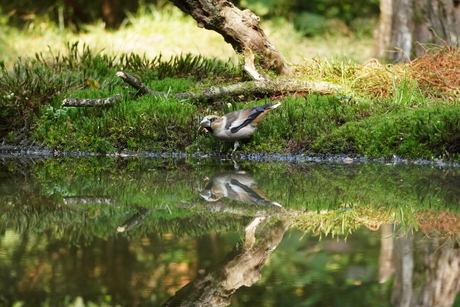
column 149, row 232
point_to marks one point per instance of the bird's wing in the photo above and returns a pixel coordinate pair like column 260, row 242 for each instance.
column 253, row 113
column 244, row 189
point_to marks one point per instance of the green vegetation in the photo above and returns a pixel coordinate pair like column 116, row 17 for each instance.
column 371, row 195
column 381, row 111
column 74, row 246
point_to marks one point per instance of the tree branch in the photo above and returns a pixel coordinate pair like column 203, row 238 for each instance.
column 84, row 102
column 243, row 90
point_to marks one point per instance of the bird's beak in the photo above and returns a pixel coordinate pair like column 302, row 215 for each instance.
column 201, row 123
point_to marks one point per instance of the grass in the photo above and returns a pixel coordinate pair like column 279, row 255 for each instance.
column 409, row 110
column 153, row 32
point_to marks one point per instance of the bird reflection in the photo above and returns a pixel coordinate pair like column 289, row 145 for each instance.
column 236, row 185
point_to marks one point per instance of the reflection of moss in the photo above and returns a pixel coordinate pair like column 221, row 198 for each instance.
column 375, row 194
column 344, row 220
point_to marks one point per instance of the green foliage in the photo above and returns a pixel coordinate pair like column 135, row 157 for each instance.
column 412, row 133
column 33, row 83
column 81, row 73
column 146, row 124
column 183, row 66
column 407, row 125
column 311, row 17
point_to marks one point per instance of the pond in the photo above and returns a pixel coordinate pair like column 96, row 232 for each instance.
column 131, row 231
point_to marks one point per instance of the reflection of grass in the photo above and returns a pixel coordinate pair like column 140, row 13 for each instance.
column 347, row 219
column 339, row 199
column 344, row 220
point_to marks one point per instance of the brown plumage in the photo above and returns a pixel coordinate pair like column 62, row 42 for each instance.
column 236, row 125
column 236, row 185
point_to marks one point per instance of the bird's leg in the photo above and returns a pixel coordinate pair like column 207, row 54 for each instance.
column 236, row 165
column 235, row 146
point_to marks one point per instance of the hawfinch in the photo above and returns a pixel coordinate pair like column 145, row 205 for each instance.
column 236, row 185
column 236, row 125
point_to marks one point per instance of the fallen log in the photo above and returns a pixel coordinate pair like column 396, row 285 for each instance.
column 241, row 90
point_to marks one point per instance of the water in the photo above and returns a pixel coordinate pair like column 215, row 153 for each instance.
column 176, row 232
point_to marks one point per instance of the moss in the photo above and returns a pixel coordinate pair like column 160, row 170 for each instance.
column 381, row 110
column 407, row 132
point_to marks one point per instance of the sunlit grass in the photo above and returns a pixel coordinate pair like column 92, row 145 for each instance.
column 170, row 32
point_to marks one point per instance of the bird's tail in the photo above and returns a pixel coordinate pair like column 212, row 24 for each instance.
column 271, row 107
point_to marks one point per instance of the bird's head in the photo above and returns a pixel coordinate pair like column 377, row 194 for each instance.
column 210, row 196
column 207, row 122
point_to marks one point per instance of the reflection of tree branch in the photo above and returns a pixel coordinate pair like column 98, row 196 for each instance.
column 85, row 200
column 134, row 220
column 241, row 267
column 236, row 209
column 130, row 223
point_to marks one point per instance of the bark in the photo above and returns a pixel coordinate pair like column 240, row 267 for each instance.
column 383, row 33
column 135, row 219
column 441, row 277
column 111, row 13
column 404, row 270
column 407, row 27
column 426, row 274
column 240, row 29
column 86, row 102
column 387, row 249
column 242, row 90
column 241, row 267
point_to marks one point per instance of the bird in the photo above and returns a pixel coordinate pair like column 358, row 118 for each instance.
column 236, row 185
column 236, row 125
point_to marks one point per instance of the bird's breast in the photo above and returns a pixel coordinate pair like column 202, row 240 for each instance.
column 227, row 135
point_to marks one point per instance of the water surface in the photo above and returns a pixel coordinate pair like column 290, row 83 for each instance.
column 156, row 232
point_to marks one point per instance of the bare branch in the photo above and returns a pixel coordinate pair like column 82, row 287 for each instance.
column 84, row 102
column 242, row 90
column 136, row 83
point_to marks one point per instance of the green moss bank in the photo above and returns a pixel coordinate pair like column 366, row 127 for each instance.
column 31, row 112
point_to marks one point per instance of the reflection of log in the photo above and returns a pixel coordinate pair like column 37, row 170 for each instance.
column 240, row 209
column 85, row 200
column 134, row 220
column 253, row 88
column 430, row 279
column 404, row 267
column 386, row 260
column 240, row 268
column 442, row 282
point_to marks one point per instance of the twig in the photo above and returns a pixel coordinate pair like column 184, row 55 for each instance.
column 137, row 84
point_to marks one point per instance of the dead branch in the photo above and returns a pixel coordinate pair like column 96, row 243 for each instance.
column 241, row 90
column 85, row 102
